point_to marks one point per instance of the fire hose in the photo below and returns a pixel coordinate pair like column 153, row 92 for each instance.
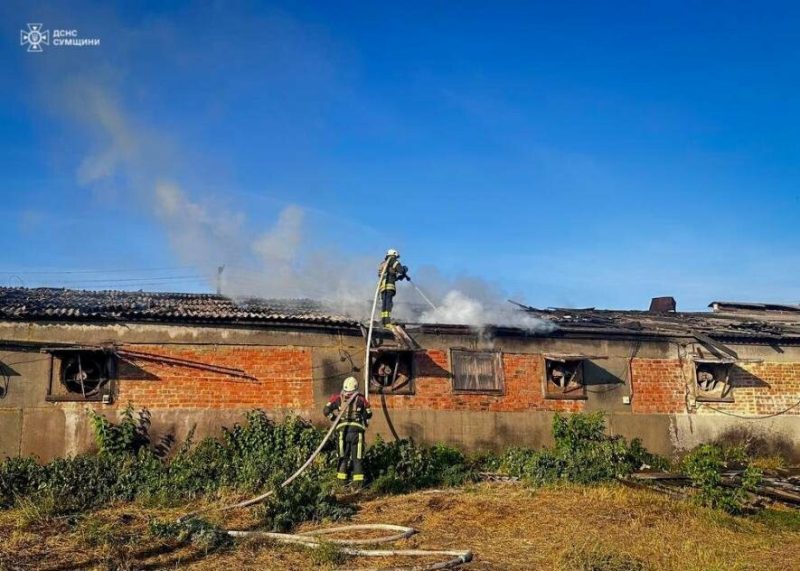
column 313, row 539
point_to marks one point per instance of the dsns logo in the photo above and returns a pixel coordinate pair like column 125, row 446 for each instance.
column 34, row 37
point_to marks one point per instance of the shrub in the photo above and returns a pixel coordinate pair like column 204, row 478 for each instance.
column 582, row 454
column 18, row 477
column 306, row 499
column 402, row 466
column 248, row 457
column 127, row 437
column 704, row 466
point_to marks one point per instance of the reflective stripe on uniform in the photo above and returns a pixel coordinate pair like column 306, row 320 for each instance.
column 358, row 477
column 360, row 448
column 342, row 476
column 341, row 443
column 385, row 313
column 342, row 424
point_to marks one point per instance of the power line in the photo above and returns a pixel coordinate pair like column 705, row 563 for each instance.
column 89, row 271
column 115, row 285
column 93, row 282
column 125, row 280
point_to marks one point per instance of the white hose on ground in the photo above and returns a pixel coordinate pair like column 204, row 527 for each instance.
column 310, row 538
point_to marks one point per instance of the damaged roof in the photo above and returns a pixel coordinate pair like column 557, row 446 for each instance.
column 58, row 304
column 728, row 322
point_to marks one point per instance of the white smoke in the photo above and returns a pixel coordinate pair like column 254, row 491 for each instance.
column 278, row 262
column 282, row 243
column 132, row 163
column 459, row 309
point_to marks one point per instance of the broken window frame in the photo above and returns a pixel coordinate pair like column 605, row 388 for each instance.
column 457, row 353
column 552, row 391
column 406, row 387
column 58, row 391
column 725, row 395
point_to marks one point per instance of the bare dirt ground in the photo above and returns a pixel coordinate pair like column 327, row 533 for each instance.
column 506, row 527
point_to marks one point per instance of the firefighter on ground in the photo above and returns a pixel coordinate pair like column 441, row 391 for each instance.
column 350, row 431
column 391, row 271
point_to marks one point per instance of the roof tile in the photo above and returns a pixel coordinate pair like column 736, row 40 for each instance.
column 58, row 303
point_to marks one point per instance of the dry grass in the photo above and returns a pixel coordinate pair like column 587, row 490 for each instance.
column 508, row 527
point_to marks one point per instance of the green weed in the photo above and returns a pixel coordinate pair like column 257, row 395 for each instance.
column 704, row 466
column 583, row 454
column 328, row 553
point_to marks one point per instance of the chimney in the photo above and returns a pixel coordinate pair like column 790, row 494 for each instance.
column 662, row 304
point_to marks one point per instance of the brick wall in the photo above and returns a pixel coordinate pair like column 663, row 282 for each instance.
column 283, row 378
column 523, row 387
column 665, row 386
column 761, row 388
column 659, row 385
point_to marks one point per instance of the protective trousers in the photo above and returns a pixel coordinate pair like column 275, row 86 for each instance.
column 351, row 449
column 387, row 302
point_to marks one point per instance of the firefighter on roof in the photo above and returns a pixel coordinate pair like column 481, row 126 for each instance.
column 391, row 271
column 350, row 431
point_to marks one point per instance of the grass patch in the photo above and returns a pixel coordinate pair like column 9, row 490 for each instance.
column 780, row 519
column 598, row 557
column 37, row 512
column 196, row 531
column 328, row 553
column 506, row 526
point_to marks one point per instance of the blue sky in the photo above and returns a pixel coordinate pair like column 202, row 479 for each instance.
column 569, row 154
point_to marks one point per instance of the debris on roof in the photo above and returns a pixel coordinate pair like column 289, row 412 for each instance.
column 734, row 322
column 736, row 306
column 732, row 325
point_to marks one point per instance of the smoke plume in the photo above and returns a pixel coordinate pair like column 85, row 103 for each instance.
column 460, row 309
column 278, row 262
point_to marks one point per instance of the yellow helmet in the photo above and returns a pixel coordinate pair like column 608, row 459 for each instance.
column 350, row 385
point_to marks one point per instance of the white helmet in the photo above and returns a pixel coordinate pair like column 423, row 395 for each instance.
column 350, row 385
column 393, row 252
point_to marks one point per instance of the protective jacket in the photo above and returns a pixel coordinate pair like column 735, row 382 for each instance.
column 394, row 271
column 357, row 414
column 350, row 434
